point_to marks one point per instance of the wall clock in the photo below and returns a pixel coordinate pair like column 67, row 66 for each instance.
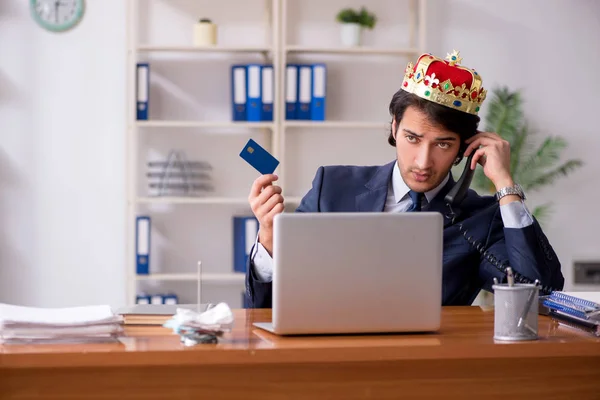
column 57, row 15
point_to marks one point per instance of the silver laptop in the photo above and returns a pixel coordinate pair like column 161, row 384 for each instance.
column 338, row 273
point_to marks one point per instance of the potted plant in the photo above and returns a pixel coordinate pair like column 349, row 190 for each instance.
column 352, row 23
column 205, row 33
column 534, row 164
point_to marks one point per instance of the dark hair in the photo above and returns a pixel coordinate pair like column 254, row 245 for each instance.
column 459, row 122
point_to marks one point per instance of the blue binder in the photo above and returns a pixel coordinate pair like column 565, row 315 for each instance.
column 170, row 298
column 319, row 85
column 142, row 90
column 254, row 104
column 142, row 299
column 291, row 91
column 142, row 245
column 238, row 92
column 304, row 92
column 267, row 80
column 245, row 230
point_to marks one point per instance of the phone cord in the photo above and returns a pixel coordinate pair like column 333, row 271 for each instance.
column 501, row 266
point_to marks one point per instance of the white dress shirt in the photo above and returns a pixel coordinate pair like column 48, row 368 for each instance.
column 514, row 215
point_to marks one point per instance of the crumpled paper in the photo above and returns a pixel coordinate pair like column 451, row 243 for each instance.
column 206, row 327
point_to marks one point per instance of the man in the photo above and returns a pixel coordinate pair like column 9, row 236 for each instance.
column 434, row 124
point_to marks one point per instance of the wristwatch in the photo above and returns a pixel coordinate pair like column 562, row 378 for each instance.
column 505, row 191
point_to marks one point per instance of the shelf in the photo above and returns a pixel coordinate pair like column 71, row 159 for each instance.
column 336, row 124
column 203, row 124
column 207, row 49
column 193, row 200
column 391, row 51
column 233, row 277
column 204, row 200
column 177, row 59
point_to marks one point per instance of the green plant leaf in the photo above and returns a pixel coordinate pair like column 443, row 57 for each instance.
column 533, row 165
column 548, row 178
column 534, row 171
column 367, row 19
column 547, row 154
column 518, row 147
column 361, row 17
column 504, row 115
column 347, row 15
column 542, row 212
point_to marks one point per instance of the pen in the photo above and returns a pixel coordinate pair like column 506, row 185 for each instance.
column 199, row 300
column 495, row 281
column 510, row 277
column 528, row 306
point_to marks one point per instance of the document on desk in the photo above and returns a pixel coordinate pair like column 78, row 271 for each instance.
column 71, row 316
column 31, row 324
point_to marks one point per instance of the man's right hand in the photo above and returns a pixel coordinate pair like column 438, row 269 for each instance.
column 266, row 201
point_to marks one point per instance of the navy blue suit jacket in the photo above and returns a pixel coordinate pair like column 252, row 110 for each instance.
column 465, row 270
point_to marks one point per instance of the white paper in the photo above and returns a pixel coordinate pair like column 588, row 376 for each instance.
column 63, row 340
column 217, row 319
column 11, row 314
column 62, row 332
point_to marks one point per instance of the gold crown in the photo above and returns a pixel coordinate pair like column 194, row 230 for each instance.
column 445, row 82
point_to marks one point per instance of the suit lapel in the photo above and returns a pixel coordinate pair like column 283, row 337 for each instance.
column 376, row 189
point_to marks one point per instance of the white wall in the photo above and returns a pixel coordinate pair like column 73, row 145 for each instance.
column 62, row 117
column 61, row 158
column 544, row 48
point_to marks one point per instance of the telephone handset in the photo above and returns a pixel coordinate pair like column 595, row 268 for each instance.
column 453, row 199
column 458, row 192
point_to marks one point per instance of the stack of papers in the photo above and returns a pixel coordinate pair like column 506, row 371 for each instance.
column 20, row 324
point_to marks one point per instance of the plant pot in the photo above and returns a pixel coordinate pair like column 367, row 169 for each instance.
column 205, row 34
column 350, row 34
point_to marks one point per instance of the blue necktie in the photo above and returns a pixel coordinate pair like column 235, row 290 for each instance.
column 416, row 201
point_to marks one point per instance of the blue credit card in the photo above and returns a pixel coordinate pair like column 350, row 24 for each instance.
column 259, row 158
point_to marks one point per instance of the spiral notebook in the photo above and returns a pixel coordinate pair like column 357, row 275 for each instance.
column 574, row 305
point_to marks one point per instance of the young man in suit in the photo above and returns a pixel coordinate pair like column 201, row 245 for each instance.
column 434, row 124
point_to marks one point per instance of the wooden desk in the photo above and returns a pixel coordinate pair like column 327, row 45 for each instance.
column 460, row 362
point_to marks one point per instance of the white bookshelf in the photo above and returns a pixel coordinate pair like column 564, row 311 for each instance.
column 204, row 124
column 233, row 277
column 276, row 51
column 360, row 50
column 335, row 124
column 242, row 201
column 193, row 200
column 208, row 49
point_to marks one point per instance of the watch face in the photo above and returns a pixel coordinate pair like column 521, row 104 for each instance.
column 57, row 15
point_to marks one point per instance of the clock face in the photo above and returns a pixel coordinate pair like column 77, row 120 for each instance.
column 57, row 15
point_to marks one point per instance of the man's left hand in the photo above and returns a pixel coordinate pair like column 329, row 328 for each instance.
column 493, row 153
